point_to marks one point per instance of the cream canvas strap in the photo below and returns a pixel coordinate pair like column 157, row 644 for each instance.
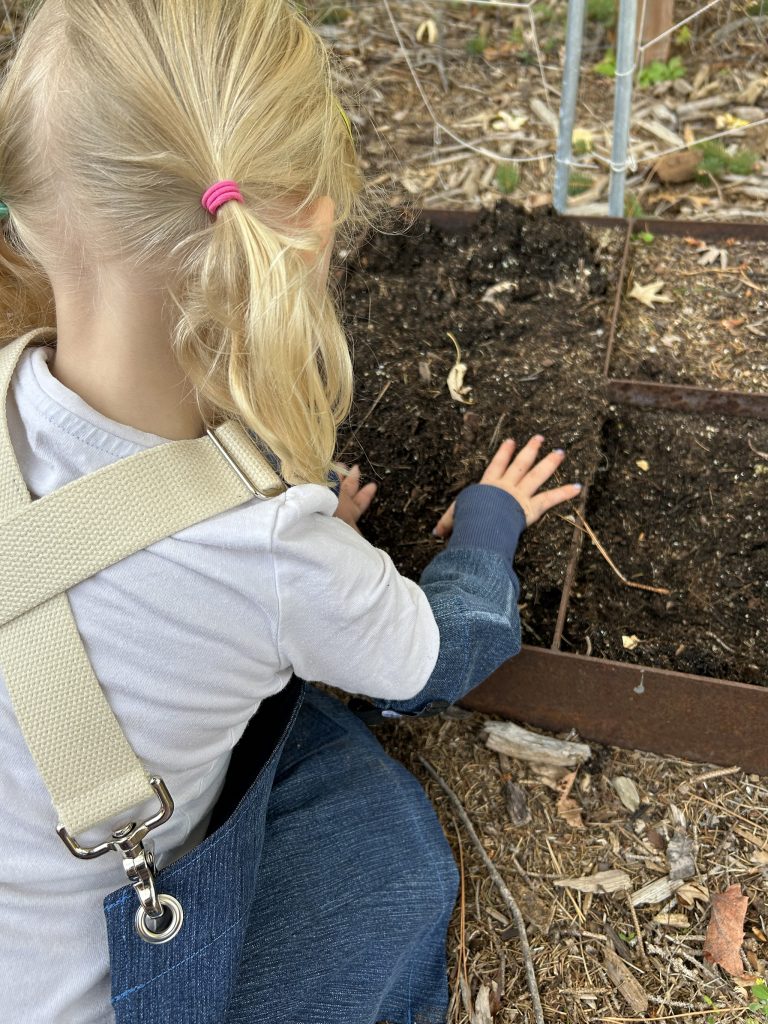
column 53, row 543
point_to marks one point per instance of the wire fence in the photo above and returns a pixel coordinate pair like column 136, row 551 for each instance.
column 692, row 101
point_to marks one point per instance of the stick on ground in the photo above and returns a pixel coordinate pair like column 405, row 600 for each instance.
column 498, row 881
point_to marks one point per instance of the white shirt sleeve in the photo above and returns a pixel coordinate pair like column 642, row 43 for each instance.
column 346, row 616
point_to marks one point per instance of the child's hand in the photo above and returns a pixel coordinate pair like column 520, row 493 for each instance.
column 522, row 477
column 354, row 500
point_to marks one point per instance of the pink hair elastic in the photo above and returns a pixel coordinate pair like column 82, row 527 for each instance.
column 220, row 193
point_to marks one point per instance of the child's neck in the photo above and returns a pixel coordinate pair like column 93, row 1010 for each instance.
column 115, row 353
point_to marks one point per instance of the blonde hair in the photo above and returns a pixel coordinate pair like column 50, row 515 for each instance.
column 115, row 116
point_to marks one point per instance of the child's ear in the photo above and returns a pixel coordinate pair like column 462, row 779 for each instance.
column 322, row 213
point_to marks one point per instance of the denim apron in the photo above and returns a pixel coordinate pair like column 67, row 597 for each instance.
column 321, row 894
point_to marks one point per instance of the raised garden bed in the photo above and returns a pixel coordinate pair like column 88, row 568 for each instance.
column 535, row 305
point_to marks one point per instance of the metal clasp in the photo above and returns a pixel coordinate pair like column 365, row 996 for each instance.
column 159, row 917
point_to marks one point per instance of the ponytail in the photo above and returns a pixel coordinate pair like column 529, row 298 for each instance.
column 115, row 117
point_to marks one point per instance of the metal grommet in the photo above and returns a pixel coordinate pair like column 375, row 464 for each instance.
column 169, row 924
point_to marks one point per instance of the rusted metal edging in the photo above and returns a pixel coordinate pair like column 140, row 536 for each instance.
column 682, row 398
column 671, row 713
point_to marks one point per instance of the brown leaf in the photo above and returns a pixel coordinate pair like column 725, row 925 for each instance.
column 675, row 168
column 567, row 808
column 725, row 931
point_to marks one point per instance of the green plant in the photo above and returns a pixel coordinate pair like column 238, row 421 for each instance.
column 476, row 46
column 716, row 161
column 658, row 71
column 603, row 11
column 684, row 36
column 579, row 183
column 633, row 208
column 759, row 1004
column 607, row 65
column 646, row 237
column 507, row 178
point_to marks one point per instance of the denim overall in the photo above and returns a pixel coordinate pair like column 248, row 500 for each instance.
column 321, row 895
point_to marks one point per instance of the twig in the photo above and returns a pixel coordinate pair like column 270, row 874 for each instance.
column 673, row 1016
column 638, row 933
column 763, row 455
column 627, row 583
column 365, row 418
column 530, row 972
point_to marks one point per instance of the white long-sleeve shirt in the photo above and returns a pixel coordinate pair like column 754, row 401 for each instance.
column 186, row 638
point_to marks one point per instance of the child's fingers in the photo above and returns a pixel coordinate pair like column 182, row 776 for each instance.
column 445, row 523
column 548, row 499
column 524, row 461
column 499, row 464
column 539, row 474
column 350, row 484
column 364, row 497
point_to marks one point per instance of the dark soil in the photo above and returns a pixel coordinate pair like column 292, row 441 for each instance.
column 534, row 361
column 696, row 522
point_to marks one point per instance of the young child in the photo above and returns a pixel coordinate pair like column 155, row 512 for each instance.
column 174, row 172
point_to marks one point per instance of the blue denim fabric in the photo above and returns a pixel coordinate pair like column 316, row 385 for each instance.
column 324, row 899
column 473, row 595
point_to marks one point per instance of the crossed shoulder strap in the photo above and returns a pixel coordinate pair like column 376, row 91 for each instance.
column 49, row 545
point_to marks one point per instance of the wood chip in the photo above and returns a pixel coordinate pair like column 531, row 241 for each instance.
column 627, row 792
column 680, row 857
column 511, row 739
column 482, row 1011
column 626, row 983
column 657, row 891
column 517, row 804
column 673, row 920
column 602, row 882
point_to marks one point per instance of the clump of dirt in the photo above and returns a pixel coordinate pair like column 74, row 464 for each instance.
column 527, row 298
column 682, row 503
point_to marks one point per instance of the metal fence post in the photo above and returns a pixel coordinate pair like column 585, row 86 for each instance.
column 573, row 39
column 625, row 66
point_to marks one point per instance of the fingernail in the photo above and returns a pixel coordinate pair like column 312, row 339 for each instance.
column 539, row 439
column 577, row 487
column 435, row 533
column 558, row 451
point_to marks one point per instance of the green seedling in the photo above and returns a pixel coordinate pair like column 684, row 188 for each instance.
column 684, row 36
column 646, row 237
column 716, row 161
column 476, row 46
column 603, row 11
column 507, row 178
column 607, row 65
column 633, row 208
column 759, row 1004
column 579, row 183
column 659, row 71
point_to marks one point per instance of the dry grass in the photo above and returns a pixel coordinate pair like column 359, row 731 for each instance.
column 723, row 813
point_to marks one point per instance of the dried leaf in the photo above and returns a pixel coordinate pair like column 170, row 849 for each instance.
column 627, row 984
column 648, row 294
column 567, row 808
column 601, row 882
column 517, row 804
column 627, row 792
column 691, row 893
column 629, row 643
column 427, row 32
column 725, row 931
column 458, row 389
column 675, row 168
column 710, row 254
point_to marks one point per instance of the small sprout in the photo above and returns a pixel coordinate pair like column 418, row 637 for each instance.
column 581, row 141
column 476, row 46
column 684, row 36
column 507, row 178
column 647, row 237
column 579, row 183
column 603, row 11
column 657, row 71
column 607, row 65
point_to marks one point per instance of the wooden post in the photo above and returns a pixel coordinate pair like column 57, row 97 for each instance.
column 659, row 16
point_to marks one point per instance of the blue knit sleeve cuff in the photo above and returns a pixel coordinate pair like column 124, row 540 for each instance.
column 487, row 517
